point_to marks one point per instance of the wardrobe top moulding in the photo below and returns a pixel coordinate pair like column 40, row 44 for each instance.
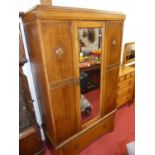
column 45, row 12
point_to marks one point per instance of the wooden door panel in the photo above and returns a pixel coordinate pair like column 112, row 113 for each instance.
column 113, row 42
column 111, row 80
column 64, row 109
column 58, row 49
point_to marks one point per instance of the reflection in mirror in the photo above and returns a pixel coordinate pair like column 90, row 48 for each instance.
column 89, row 67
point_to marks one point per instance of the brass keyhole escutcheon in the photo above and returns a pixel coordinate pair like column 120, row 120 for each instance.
column 114, row 43
column 59, row 51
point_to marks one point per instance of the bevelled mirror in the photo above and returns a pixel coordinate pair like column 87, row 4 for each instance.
column 89, row 42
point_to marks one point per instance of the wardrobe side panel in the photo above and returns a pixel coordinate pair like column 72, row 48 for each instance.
column 38, row 70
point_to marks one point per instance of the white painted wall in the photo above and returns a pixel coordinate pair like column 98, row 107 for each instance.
column 25, row 5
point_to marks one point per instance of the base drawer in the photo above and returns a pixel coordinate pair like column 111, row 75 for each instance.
column 80, row 142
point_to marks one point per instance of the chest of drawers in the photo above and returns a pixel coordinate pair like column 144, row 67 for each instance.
column 126, row 85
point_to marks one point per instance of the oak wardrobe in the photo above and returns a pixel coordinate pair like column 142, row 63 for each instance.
column 75, row 59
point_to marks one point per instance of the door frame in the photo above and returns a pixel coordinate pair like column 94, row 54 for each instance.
column 88, row 24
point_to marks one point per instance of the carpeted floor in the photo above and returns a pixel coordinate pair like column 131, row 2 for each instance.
column 114, row 143
column 94, row 99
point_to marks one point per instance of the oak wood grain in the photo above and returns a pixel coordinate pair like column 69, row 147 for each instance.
column 30, row 143
column 52, row 36
column 80, row 142
column 68, row 13
column 111, row 81
column 57, row 34
column 64, row 108
column 35, row 48
column 113, row 33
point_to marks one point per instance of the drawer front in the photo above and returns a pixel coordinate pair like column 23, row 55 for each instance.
column 125, row 91
column 30, row 143
column 126, row 83
column 122, row 100
column 122, row 78
column 114, row 41
column 130, row 75
column 80, row 142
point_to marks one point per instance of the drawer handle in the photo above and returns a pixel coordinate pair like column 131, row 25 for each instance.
column 113, row 44
column 59, row 51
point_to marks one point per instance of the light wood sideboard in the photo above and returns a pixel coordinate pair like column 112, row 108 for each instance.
column 126, row 85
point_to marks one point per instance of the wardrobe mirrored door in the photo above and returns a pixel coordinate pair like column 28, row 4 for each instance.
column 90, row 51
